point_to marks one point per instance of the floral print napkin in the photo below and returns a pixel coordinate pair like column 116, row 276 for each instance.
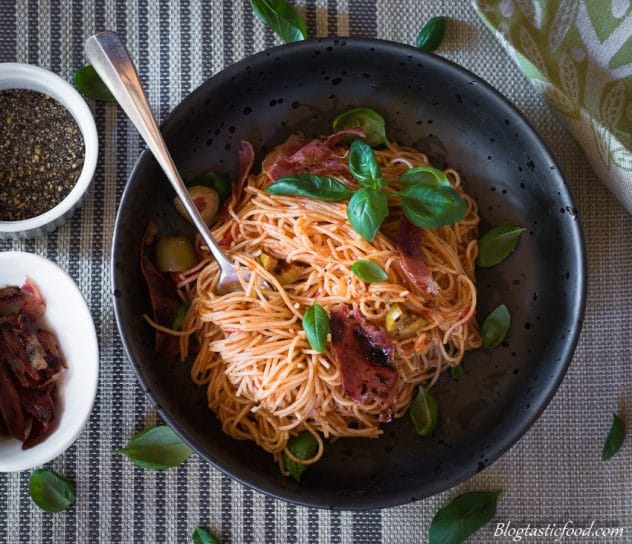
column 578, row 54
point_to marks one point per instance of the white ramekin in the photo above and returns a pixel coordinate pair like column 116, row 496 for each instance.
column 15, row 75
column 68, row 317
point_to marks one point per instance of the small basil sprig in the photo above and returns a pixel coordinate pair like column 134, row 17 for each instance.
column 156, row 448
column 369, row 271
column 220, row 182
column 424, row 174
column 367, row 120
column 615, row 438
column 90, row 85
column 366, row 210
column 432, row 205
column 180, row 315
column 431, row 35
column 465, row 515
column 424, row 412
column 303, row 446
column 495, row 327
column 316, row 327
column 363, row 165
column 456, row 372
column 202, row 536
column 282, row 17
column 496, row 245
column 310, row 185
column 50, row 491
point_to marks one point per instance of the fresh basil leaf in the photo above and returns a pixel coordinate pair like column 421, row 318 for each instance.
column 156, row 448
column 316, row 327
column 218, row 181
column 367, row 120
column 363, row 164
column 495, row 327
column 50, row 491
column 431, row 34
column 432, row 205
column 424, row 174
column 465, row 515
column 282, row 17
column 369, row 271
column 456, row 372
column 615, row 438
column 366, row 210
column 202, row 536
column 180, row 315
column 304, row 446
column 90, row 85
column 496, row 244
column 311, row 186
column 424, row 412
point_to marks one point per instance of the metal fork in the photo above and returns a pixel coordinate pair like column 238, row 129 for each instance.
column 109, row 57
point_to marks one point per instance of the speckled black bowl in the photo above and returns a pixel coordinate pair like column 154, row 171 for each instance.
column 457, row 119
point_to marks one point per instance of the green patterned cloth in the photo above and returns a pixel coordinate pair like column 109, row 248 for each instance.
column 578, row 54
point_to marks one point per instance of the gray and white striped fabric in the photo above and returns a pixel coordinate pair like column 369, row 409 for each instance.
column 553, row 475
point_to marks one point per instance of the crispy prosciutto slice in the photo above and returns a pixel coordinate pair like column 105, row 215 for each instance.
column 364, row 353
column 162, row 294
column 334, row 139
column 296, row 156
column 30, row 365
column 246, row 160
column 10, row 408
column 411, row 258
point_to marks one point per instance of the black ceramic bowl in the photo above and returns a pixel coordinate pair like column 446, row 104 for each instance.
column 456, row 118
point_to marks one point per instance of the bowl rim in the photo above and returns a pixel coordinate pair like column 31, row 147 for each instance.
column 54, row 450
column 368, row 502
column 29, row 76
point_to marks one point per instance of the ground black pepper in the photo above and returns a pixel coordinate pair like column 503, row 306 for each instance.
column 41, row 153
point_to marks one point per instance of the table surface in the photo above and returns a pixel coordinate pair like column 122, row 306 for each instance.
column 554, row 474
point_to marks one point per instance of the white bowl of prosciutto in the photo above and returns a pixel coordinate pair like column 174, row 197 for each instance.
column 49, row 361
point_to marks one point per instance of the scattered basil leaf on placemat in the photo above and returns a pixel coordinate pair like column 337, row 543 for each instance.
column 220, row 182
column 431, row 35
column 156, row 448
column 615, row 438
column 496, row 245
column 366, row 210
column 456, row 372
column 363, row 164
column 282, row 17
column 202, row 536
column 303, row 446
column 424, row 174
column 465, row 515
column 89, row 84
column 369, row 271
column 50, row 491
column 366, row 119
column 180, row 315
column 424, row 412
column 316, row 327
column 432, row 205
column 495, row 327
column 311, row 186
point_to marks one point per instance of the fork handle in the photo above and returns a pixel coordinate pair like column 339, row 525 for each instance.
column 111, row 60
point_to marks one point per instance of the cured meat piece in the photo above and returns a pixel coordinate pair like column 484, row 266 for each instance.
column 162, row 294
column 10, row 407
column 246, row 160
column 364, row 354
column 411, row 258
column 296, row 156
